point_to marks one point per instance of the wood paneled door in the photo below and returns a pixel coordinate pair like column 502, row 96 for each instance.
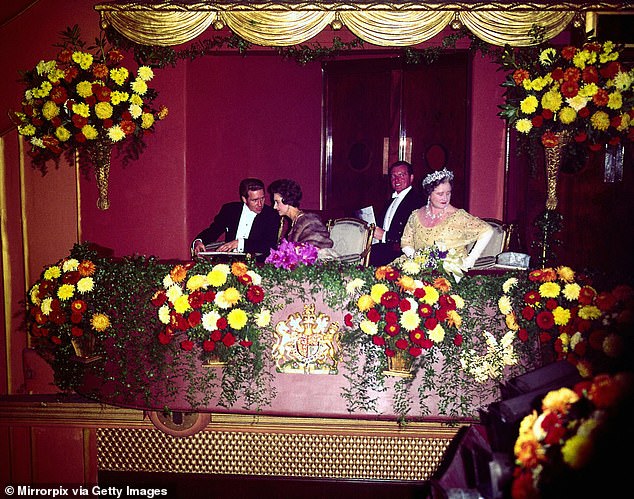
column 379, row 110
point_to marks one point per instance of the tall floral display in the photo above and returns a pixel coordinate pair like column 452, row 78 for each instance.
column 87, row 101
column 567, row 100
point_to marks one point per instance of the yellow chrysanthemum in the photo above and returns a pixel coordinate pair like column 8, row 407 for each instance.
column 81, row 109
column 547, row 56
column 577, row 102
column 571, row 291
column 567, row 115
column 85, row 284
column 377, row 291
column 523, row 125
column 529, row 104
column 600, row 121
column 454, row 319
column 62, row 134
column 34, row 294
column 431, row 295
column 406, row 283
column 84, row 89
column 100, row 322
column 227, row 298
column 504, row 304
column 216, row 278
column 119, row 75
column 47, row 305
column 147, row 120
column 549, row 290
column 65, row 291
column 559, row 400
column 589, row 312
column 368, row 327
column 116, row 133
column 365, row 303
column 237, row 318
column 118, row 97
column 181, row 304
column 552, row 100
column 90, row 132
column 196, row 281
column 103, row 110
column 565, row 273
column 561, row 315
column 50, row 110
column 136, row 99
column 511, row 322
column 615, row 100
column 410, row 320
column 135, row 111
column 588, row 90
column 145, row 73
column 263, row 318
column 52, row 272
column 437, row 335
column 84, row 59
column 139, row 86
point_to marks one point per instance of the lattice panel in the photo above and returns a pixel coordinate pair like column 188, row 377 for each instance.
column 271, row 454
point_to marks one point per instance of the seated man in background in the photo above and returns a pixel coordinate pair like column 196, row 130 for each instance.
column 394, row 215
column 249, row 226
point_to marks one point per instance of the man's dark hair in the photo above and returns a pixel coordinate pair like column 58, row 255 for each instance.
column 410, row 168
column 289, row 190
column 250, row 184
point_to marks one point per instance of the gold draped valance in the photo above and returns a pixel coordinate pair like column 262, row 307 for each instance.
column 382, row 24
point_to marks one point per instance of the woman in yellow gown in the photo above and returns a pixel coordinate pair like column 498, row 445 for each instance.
column 438, row 222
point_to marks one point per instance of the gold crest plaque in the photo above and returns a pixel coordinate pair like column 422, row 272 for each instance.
column 307, row 343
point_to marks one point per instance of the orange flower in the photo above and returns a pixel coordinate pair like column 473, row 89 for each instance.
column 442, row 284
column 381, row 272
column 239, row 268
column 178, row 273
column 86, row 268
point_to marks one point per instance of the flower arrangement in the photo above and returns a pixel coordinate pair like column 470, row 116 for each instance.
column 214, row 311
column 62, row 311
column 590, row 329
column 405, row 316
column 289, row 255
column 562, row 450
column 584, row 90
column 434, row 258
column 84, row 96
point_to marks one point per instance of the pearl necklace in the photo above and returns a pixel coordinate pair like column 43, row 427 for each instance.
column 433, row 217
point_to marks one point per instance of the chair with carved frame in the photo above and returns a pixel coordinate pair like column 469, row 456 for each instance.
column 352, row 238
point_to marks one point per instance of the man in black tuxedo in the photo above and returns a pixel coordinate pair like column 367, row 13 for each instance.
column 393, row 217
column 249, row 226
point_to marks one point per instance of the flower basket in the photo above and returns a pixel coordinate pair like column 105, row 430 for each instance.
column 399, row 365
column 85, row 348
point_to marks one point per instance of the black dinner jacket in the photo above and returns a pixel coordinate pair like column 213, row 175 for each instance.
column 412, row 201
column 263, row 235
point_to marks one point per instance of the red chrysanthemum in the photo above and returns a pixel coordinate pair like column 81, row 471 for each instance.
column 255, row 294
column 373, row 315
column 545, row 319
column 390, row 299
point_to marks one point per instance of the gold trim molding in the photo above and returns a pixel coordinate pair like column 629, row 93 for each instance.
column 382, row 24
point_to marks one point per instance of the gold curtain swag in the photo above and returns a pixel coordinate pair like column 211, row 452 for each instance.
column 381, row 24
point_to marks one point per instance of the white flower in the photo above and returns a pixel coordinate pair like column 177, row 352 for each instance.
column 509, row 283
column 70, row 265
column 256, row 278
column 210, row 320
column 164, row 314
column 368, row 327
column 354, row 285
column 167, row 281
column 504, row 304
column 263, row 318
column 173, row 293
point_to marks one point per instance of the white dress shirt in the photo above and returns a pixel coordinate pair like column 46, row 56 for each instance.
column 389, row 214
column 244, row 226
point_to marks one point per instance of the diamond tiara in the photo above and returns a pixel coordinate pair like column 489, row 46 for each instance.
column 438, row 175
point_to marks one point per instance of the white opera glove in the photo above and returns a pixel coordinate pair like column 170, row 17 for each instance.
column 408, row 251
column 478, row 248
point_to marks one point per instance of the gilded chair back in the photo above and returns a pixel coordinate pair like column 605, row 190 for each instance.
column 352, row 238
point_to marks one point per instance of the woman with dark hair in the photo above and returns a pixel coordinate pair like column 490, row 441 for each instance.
column 440, row 222
column 305, row 227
